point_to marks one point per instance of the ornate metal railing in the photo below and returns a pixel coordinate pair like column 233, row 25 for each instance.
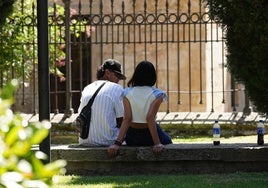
column 179, row 37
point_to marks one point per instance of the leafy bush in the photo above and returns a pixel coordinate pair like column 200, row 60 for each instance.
column 246, row 26
column 18, row 37
column 6, row 7
column 18, row 41
column 20, row 166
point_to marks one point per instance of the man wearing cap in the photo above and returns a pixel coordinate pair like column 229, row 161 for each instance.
column 107, row 109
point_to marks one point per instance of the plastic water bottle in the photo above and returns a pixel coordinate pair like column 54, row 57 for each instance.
column 260, row 132
column 216, row 133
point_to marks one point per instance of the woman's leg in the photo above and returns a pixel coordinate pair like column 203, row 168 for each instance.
column 163, row 136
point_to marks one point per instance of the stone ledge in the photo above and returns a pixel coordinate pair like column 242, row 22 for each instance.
column 177, row 158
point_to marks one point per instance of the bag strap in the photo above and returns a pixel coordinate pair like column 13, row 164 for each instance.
column 90, row 102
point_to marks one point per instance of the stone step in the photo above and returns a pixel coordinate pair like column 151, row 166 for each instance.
column 176, row 159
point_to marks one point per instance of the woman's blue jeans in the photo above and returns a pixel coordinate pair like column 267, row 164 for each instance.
column 142, row 137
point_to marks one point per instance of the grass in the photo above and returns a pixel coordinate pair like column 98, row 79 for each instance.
column 182, row 139
column 207, row 139
column 234, row 180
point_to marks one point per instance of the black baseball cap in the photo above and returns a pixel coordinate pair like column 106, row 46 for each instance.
column 114, row 66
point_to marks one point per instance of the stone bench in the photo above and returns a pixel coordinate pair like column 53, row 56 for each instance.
column 176, row 159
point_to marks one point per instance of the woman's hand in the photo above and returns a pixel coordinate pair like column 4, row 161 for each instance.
column 158, row 149
column 113, row 150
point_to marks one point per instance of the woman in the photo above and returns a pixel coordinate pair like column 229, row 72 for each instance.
column 141, row 103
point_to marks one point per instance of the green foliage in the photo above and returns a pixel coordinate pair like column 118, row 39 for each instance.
column 57, row 46
column 20, row 166
column 57, row 39
column 246, row 26
column 18, row 38
column 18, row 41
column 6, row 7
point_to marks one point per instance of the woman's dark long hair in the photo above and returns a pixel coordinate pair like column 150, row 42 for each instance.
column 144, row 75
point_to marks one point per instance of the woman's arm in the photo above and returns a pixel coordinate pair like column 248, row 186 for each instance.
column 126, row 119
column 158, row 147
column 113, row 149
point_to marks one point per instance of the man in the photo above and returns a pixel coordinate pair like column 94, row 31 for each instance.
column 107, row 109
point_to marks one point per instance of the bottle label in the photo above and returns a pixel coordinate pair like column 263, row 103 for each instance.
column 216, row 131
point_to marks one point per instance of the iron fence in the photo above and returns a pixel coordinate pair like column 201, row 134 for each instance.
column 178, row 37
